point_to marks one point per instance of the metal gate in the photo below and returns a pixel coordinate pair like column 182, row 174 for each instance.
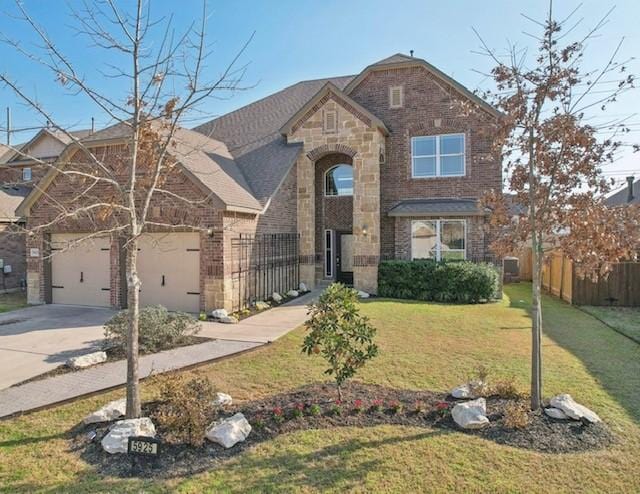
column 262, row 265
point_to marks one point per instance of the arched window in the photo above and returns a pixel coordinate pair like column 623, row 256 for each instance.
column 339, row 181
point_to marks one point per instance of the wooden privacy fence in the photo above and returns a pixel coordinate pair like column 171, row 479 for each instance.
column 559, row 278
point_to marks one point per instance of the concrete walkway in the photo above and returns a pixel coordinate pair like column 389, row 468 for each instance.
column 231, row 339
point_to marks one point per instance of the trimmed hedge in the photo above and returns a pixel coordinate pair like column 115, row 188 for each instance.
column 445, row 281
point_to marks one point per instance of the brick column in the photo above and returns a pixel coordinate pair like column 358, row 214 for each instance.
column 306, row 220
column 35, row 270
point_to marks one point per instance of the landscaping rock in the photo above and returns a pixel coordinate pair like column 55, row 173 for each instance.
column 461, row 391
column 260, row 305
column 118, row 437
column 556, row 413
column 574, row 410
column 219, row 313
column 302, row 287
column 292, row 293
column 471, row 414
column 362, row 294
column 222, row 399
column 230, row 431
column 228, row 320
column 276, row 297
column 87, row 360
column 111, row 411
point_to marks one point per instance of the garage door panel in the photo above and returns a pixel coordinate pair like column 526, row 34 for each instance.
column 169, row 269
column 80, row 273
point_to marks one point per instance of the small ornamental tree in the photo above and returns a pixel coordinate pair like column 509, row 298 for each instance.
column 554, row 157
column 340, row 333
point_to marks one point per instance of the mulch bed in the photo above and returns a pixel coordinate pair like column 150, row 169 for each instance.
column 543, row 433
column 112, row 356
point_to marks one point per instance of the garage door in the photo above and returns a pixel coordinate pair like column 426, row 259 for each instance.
column 80, row 274
column 169, row 269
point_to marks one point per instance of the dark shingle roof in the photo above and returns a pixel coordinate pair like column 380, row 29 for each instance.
column 10, row 198
column 433, row 207
column 252, row 134
column 620, row 198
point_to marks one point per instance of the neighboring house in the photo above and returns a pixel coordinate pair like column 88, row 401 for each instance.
column 386, row 164
column 18, row 174
column 627, row 195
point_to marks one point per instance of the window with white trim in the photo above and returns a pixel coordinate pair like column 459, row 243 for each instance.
column 396, row 97
column 26, row 174
column 438, row 239
column 438, row 156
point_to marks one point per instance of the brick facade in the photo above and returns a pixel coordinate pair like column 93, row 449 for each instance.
column 430, row 108
column 12, row 250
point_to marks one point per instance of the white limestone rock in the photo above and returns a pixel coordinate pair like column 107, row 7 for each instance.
column 228, row 320
column 556, row 413
column 261, row 305
column 87, row 360
column 302, row 287
column 222, row 399
column 230, row 431
column 362, row 294
column 276, row 297
column 471, row 414
column 292, row 293
column 118, row 437
column 574, row 410
column 219, row 313
column 111, row 411
column 461, row 392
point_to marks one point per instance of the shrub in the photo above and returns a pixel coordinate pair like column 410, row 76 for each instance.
column 298, row 411
column 358, row 406
column 443, row 409
column 185, row 409
column 516, row 415
column 315, row 410
column 336, row 408
column 340, row 333
column 505, row 388
column 419, row 407
column 376, row 405
column 159, row 329
column 395, row 406
column 278, row 415
column 445, row 281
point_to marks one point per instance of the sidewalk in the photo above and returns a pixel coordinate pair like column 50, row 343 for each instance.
column 231, row 339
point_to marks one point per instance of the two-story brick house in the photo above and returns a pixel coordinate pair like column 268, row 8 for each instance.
column 388, row 163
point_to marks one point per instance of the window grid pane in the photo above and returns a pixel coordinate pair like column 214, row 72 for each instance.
column 447, row 152
column 438, row 239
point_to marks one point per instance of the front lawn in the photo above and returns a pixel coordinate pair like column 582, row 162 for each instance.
column 422, row 346
column 623, row 319
column 12, row 301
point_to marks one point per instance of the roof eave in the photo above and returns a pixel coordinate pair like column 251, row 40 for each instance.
column 435, row 214
column 327, row 88
column 432, row 69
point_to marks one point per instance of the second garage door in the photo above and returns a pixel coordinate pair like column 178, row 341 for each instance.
column 169, row 269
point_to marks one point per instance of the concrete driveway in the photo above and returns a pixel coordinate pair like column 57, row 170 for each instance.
column 38, row 339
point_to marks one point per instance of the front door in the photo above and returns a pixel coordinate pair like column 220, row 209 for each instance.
column 344, row 257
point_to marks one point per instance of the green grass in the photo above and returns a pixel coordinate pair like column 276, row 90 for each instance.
column 422, row 346
column 12, row 301
column 623, row 319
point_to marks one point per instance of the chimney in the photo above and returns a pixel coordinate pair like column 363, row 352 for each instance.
column 630, row 181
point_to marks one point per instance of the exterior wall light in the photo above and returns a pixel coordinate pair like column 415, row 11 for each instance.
column 365, row 230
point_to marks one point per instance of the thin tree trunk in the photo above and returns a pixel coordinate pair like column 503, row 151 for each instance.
column 133, row 299
column 536, row 328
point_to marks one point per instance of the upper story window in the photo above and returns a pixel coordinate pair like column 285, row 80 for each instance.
column 396, row 97
column 339, row 181
column 26, row 174
column 437, row 156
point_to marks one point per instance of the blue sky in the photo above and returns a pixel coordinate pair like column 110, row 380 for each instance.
column 304, row 39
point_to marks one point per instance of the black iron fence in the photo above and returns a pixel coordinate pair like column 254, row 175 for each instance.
column 262, row 265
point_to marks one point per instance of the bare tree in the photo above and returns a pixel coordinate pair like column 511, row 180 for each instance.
column 554, row 156
column 115, row 188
